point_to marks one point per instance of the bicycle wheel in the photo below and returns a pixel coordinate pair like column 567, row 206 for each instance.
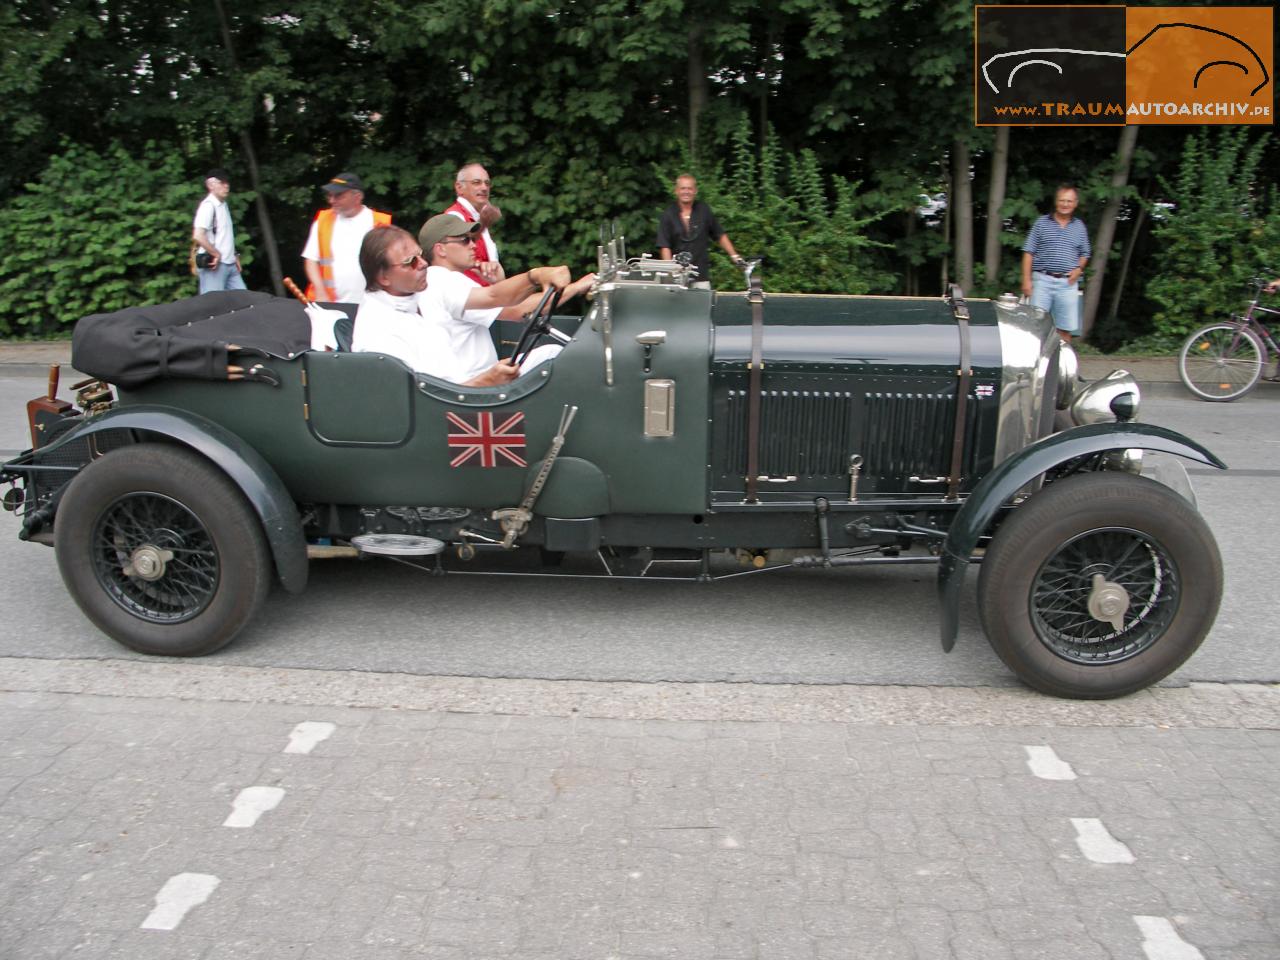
column 1221, row 361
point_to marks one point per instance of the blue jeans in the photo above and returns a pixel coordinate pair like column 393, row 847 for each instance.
column 224, row 276
column 1059, row 298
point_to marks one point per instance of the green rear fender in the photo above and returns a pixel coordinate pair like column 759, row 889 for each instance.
column 995, row 489
column 242, row 463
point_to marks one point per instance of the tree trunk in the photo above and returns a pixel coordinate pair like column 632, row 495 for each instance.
column 251, row 161
column 697, row 76
column 962, row 216
column 995, row 222
column 1107, row 229
column 1114, row 310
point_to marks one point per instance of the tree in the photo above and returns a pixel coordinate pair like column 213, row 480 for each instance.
column 1107, row 228
column 1206, row 229
column 99, row 231
column 995, row 201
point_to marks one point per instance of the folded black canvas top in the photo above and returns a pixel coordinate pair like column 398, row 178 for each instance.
column 188, row 338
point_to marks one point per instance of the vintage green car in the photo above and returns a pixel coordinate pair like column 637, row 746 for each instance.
column 676, row 424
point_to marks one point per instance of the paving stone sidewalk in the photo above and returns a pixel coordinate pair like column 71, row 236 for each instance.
column 191, row 811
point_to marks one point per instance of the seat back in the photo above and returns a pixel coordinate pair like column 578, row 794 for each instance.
column 343, row 331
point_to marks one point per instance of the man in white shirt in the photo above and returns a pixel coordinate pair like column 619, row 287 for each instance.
column 215, row 237
column 462, row 307
column 472, row 185
column 394, row 319
column 332, row 254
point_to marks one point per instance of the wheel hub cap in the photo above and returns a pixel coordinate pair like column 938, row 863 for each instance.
column 147, row 562
column 1108, row 602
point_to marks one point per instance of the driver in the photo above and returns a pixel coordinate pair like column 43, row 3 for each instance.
column 394, row 319
column 463, row 308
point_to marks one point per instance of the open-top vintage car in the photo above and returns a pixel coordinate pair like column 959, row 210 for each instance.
column 676, row 424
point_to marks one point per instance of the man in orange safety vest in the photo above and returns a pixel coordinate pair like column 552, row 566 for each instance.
column 332, row 254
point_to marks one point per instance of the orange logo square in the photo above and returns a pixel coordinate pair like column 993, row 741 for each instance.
column 1198, row 65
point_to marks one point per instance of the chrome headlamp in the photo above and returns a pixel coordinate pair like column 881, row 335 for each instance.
column 1114, row 397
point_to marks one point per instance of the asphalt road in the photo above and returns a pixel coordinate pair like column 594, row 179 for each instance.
column 868, row 626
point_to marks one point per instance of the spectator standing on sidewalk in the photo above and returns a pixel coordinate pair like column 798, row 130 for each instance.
column 215, row 237
column 332, row 254
column 472, row 186
column 687, row 225
column 1053, row 261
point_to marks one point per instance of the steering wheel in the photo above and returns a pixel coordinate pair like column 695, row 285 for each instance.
column 538, row 326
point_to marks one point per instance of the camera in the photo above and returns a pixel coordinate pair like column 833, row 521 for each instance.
column 204, row 259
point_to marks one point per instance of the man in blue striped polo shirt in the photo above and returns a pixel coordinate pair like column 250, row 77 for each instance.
column 1053, row 261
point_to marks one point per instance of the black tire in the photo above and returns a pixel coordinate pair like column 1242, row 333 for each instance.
column 1221, row 361
column 161, row 551
column 1039, row 574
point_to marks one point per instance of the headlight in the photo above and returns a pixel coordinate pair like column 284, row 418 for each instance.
column 1068, row 375
column 1115, row 397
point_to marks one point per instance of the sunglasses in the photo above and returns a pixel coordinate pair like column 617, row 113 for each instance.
column 412, row 262
column 459, row 240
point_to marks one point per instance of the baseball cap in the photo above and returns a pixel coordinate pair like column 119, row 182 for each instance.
column 441, row 227
column 343, row 182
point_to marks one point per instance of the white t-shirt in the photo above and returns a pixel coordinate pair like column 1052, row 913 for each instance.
column 490, row 246
column 393, row 325
column 348, row 234
column 214, row 217
column 444, row 303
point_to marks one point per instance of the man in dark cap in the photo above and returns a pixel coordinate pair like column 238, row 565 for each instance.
column 217, row 265
column 332, row 254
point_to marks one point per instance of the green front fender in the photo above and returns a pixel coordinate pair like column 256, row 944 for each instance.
column 995, row 489
column 246, row 467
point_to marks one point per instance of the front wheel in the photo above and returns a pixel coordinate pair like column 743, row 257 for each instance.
column 1099, row 585
column 161, row 550
column 1221, row 361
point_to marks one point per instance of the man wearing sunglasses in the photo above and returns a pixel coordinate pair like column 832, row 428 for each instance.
column 395, row 319
column 464, row 309
column 472, row 185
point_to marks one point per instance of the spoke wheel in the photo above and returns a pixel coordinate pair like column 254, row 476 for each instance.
column 155, row 558
column 161, row 550
column 1221, row 361
column 1070, row 593
column 1099, row 585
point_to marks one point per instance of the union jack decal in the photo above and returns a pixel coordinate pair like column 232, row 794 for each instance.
column 479, row 443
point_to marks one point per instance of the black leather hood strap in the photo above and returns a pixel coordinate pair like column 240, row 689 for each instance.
column 960, row 310
column 755, row 296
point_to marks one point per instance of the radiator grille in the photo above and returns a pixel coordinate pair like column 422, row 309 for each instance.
column 802, row 432
column 811, row 434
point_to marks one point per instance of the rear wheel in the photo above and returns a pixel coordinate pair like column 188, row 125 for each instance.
column 161, row 551
column 1221, row 361
column 1100, row 585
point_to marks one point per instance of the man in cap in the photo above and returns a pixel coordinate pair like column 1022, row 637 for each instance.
column 464, row 308
column 215, row 237
column 472, row 185
column 396, row 318
column 332, row 254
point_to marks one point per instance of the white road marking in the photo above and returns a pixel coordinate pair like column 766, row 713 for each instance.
column 1097, row 843
column 1162, row 942
column 307, row 734
column 1044, row 763
column 178, row 895
column 251, row 803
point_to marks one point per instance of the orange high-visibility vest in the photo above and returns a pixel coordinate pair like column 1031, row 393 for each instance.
column 324, row 234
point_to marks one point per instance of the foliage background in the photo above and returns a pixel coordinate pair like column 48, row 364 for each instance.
column 823, row 133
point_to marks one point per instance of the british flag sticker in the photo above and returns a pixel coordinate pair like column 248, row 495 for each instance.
column 486, row 440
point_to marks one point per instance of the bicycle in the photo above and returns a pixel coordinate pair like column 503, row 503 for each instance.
column 1224, row 360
